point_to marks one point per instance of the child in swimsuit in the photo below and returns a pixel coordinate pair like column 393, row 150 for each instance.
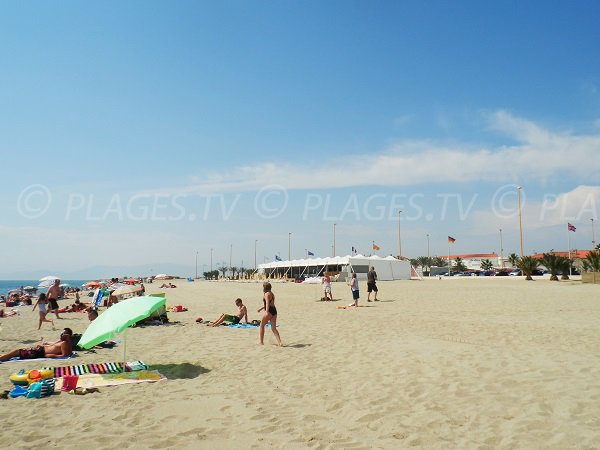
column 41, row 303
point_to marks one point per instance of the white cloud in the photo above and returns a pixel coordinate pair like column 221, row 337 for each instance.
column 534, row 153
column 577, row 206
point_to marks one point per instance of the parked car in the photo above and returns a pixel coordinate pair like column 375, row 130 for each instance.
column 515, row 273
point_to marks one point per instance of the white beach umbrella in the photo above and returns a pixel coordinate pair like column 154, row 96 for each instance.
column 49, row 278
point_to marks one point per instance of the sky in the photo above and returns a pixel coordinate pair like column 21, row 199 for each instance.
column 137, row 136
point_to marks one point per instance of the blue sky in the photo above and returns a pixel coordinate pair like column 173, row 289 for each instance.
column 135, row 134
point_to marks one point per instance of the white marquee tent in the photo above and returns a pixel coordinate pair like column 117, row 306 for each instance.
column 388, row 268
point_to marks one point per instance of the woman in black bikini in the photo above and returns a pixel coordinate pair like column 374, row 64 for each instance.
column 270, row 314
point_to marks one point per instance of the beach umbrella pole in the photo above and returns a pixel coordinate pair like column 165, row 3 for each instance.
column 124, row 348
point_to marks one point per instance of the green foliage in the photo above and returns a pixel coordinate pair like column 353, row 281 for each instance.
column 425, row 263
column 527, row 264
column 591, row 263
column 486, row 264
column 212, row 275
column 565, row 267
column 459, row 265
column 553, row 263
column 436, row 261
column 223, row 270
column 513, row 259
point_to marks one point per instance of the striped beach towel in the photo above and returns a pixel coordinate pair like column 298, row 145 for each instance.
column 101, row 368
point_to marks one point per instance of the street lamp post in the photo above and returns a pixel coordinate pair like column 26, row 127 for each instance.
column 255, row 241
column 334, row 240
column 399, row 238
column 211, row 252
column 593, row 235
column 196, row 265
column 428, row 257
column 230, row 254
column 501, row 250
column 289, row 246
column 520, row 221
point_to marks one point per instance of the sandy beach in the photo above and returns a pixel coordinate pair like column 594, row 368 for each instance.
column 452, row 363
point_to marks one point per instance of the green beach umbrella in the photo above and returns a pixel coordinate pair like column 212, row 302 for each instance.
column 118, row 318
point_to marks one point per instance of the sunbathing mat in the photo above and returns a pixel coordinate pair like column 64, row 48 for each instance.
column 58, row 358
column 89, row 380
column 101, row 368
column 245, row 325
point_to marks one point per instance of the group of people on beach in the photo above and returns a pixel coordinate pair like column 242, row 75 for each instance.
column 354, row 288
column 269, row 315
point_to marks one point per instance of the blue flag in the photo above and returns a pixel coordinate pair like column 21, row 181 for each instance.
column 277, row 258
column 310, row 253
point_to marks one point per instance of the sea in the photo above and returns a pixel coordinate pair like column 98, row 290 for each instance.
column 9, row 285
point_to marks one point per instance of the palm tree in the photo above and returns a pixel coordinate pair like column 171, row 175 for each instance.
column 564, row 265
column 553, row 263
column 513, row 259
column 459, row 265
column 222, row 269
column 424, row 262
column 527, row 264
column 436, row 261
column 591, row 263
column 486, row 264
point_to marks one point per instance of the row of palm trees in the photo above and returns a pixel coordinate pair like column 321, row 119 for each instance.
column 230, row 272
column 554, row 263
column 427, row 262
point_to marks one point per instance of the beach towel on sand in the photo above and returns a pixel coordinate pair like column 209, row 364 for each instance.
column 16, row 358
column 90, row 380
column 245, row 325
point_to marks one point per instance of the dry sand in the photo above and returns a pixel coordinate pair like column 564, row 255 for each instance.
column 465, row 363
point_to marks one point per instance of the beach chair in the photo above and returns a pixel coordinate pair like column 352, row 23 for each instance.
column 97, row 299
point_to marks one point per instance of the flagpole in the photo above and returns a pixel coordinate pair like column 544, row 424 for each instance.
column 569, row 248
column 448, row 257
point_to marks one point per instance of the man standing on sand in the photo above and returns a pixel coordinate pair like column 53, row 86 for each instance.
column 372, row 284
column 52, row 297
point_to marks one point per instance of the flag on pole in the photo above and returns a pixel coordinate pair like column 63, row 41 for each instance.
column 309, row 253
column 277, row 258
column 571, row 227
column 451, row 240
column 375, row 247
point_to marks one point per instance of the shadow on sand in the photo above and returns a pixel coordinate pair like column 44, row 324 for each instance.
column 180, row 371
column 297, row 345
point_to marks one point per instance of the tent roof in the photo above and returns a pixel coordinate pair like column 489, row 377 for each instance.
column 332, row 260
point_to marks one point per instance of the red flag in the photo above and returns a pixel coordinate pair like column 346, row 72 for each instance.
column 571, row 227
column 451, row 240
column 375, row 247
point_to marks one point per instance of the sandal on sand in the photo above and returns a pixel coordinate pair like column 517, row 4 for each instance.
column 83, row 391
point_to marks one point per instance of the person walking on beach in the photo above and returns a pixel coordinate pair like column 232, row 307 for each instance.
column 53, row 294
column 42, row 306
column 371, row 284
column 270, row 314
column 326, row 282
column 354, row 290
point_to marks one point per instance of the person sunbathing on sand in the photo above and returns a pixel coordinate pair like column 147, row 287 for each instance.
column 242, row 314
column 62, row 347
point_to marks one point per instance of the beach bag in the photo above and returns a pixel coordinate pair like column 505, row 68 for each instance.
column 41, row 389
